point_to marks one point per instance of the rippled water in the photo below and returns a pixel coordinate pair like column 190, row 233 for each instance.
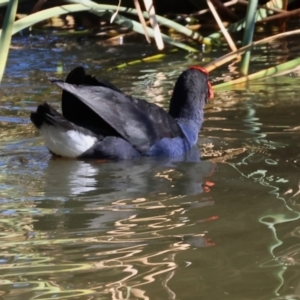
column 226, row 227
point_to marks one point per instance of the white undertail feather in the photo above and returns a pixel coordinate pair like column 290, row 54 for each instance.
column 65, row 143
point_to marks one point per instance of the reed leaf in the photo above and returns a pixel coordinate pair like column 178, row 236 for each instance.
column 6, row 33
column 248, row 34
column 261, row 13
column 137, row 27
column 45, row 14
column 4, row 3
column 232, row 55
column 161, row 20
column 101, row 10
column 280, row 69
column 154, row 24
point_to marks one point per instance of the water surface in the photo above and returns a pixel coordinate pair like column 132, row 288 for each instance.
column 225, row 227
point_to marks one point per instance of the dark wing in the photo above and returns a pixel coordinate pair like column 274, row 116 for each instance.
column 77, row 112
column 79, row 77
column 139, row 122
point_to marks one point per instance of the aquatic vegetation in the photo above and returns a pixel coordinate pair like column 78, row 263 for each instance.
column 119, row 15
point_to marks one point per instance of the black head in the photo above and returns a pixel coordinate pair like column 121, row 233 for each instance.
column 191, row 91
column 210, row 89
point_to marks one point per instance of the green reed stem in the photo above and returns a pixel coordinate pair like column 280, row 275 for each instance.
column 5, row 35
column 281, row 69
column 248, row 34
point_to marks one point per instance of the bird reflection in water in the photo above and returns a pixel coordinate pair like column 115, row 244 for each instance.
column 129, row 216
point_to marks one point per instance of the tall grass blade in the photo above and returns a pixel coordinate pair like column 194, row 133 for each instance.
column 153, row 21
column 232, row 55
column 6, row 33
column 4, row 3
column 221, row 26
column 161, row 20
column 115, row 13
column 248, row 34
column 101, row 10
column 137, row 27
column 44, row 15
column 142, row 19
column 260, row 14
column 280, row 69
